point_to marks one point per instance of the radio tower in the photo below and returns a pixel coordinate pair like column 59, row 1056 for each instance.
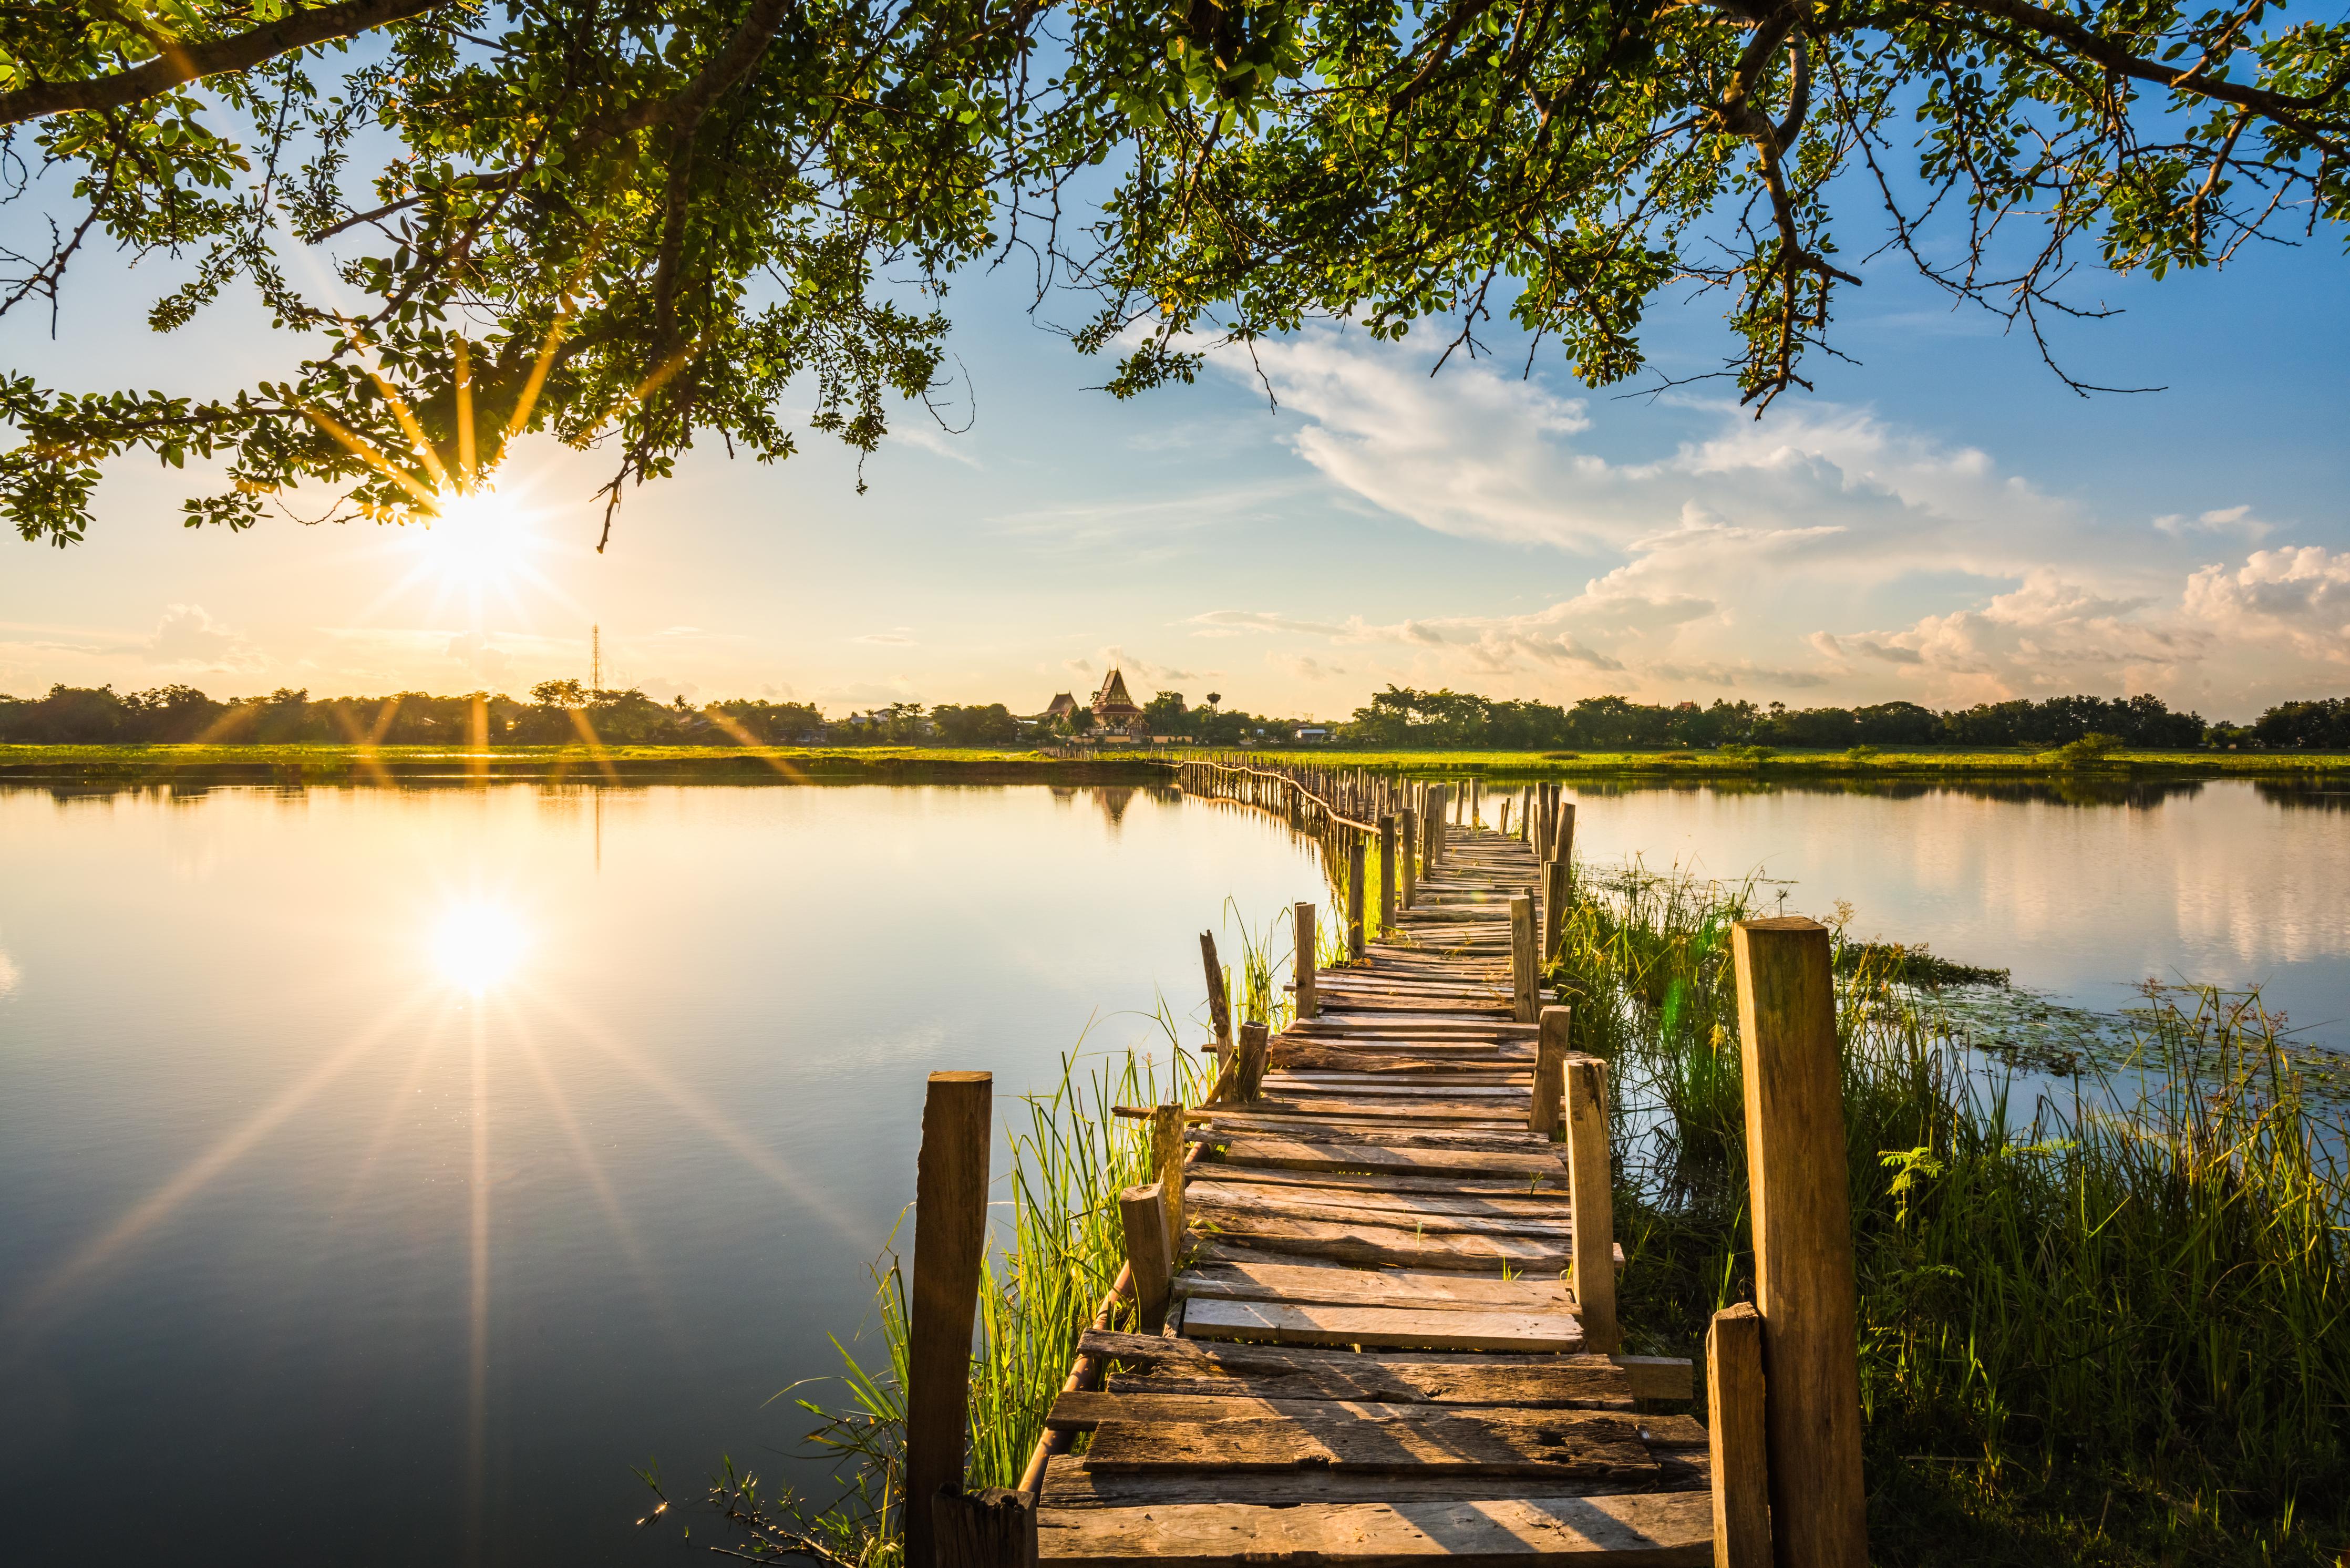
column 595, row 659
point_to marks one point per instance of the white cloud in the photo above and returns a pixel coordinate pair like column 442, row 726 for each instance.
column 2225, row 521
column 189, row 640
column 2298, row 596
column 938, row 443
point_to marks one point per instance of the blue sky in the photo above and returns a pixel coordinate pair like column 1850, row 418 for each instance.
column 1944, row 522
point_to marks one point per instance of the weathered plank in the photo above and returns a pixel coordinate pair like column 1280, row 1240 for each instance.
column 1227, row 1212
column 1597, row 1444
column 1068, row 1484
column 1172, row 1366
column 1296, row 1154
column 1281, row 1322
column 1651, row 1530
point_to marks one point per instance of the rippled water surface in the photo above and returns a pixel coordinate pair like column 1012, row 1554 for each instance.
column 383, row 1172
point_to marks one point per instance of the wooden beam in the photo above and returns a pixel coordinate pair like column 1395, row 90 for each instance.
column 1592, row 1184
column 1653, row 1530
column 1797, row 1176
column 1742, row 1472
column 950, row 1239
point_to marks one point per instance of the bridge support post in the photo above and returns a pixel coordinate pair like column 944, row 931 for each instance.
column 1591, row 1191
column 1734, row 1400
column 1545, row 1116
column 1410, row 837
column 1354, row 895
column 1526, row 973
column 1796, row 1173
column 1302, row 967
column 1150, row 1252
column 1219, row 1004
column 949, row 1237
column 1386, row 873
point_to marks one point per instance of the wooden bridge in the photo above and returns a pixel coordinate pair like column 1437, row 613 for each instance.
column 1369, row 1312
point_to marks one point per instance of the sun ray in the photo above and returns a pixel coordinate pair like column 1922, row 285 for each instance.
column 365, row 451
column 581, row 722
column 467, row 474
column 537, row 382
column 809, row 1196
column 192, row 1177
column 757, row 748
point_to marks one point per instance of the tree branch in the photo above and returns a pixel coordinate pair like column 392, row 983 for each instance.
column 177, row 66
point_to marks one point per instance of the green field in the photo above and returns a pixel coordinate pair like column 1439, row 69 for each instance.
column 352, row 763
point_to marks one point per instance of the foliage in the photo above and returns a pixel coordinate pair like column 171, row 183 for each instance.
column 1401, row 717
column 632, row 224
column 2296, row 725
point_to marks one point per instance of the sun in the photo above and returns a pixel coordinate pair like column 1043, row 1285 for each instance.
column 479, row 540
column 477, row 944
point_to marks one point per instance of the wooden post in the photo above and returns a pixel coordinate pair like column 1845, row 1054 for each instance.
column 1553, row 907
column 1562, row 848
column 1742, row 1472
column 1796, row 1174
column 1386, row 873
column 1302, row 967
column 1148, row 1252
column 1354, row 896
column 1505, row 816
column 1550, row 1073
column 994, row 1527
column 1436, row 825
column 1591, row 1197
column 1409, row 838
column 1167, row 1163
column 949, row 1237
column 1220, row 1006
column 1249, row 1081
column 1523, row 973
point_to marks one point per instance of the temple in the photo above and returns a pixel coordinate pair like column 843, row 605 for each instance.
column 1114, row 709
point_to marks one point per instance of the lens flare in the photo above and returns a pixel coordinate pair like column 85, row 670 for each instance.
column 478, row 541
column 477, row 946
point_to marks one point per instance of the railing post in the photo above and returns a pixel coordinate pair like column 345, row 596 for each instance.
column 1302, row 967
column 1167, row 1161
column 1550, row 1073
column 1734, row 1399
column 1354, row 896
column 994, row 1527
column 1523, row 981
column 1796, row 1174
column 1553, row 907
column 1592, row 1197
column 949, row 1238
column 1436, row 825
column 1407, row 837
column 1220, row 1005
column 1562, row 846
column 1248, row 1081
column 1148, row 1252
column 1386, row 873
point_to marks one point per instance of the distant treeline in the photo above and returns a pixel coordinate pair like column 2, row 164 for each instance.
column 563, row 711
column 1401, row 717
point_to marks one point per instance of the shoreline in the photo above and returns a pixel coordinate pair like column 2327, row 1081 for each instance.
column 356, row 764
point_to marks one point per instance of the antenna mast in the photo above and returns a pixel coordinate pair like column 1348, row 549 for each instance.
column 596, row 659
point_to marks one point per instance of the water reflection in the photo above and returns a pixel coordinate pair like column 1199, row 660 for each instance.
column 477, row 943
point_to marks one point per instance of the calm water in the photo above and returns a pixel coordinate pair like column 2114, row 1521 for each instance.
column 382, row 1173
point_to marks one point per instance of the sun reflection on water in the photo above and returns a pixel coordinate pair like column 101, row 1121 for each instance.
column 478, row 945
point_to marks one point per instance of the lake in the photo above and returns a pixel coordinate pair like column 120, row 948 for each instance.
column 384, row 1172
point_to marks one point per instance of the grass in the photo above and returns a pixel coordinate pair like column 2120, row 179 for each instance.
column 2112, row 1328
column 309, row 764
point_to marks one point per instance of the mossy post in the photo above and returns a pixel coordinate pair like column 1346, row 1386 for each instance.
column 1302, row 966
column 1796, row 1164
column 1167, row 1161
column 949, row 1238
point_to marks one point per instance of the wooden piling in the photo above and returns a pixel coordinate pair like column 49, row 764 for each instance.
column 1554, row 885
column 994, row 1527
column 1796, row 1166
column 1524, row 976
column 1167, row 1150
column 1410, row 837
column 1562, row 848
column 1387, row 874
column 949, row 1237
column 1544, row 1116
column 1220, row 1005
column 1591, row 1197
column 1302, row 966
column 1143, row 1213
column 1742, row 1472
column 1354, row 898
column 1248, row 1081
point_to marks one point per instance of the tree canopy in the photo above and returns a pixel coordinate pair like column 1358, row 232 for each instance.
column 634, row 225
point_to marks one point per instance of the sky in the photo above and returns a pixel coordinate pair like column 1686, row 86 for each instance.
column 1943, row 522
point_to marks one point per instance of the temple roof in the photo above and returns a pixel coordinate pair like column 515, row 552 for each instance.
column 1063, row 703
column 1112, row 699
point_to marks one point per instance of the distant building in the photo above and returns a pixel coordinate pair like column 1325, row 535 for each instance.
column 1313, row 733
column 1061, row 706
column 1115, row 710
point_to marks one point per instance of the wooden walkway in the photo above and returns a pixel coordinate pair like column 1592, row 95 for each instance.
column 1375, row 1349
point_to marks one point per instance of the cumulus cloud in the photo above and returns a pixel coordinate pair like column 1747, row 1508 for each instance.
column 188, row 639
column 2300, row 596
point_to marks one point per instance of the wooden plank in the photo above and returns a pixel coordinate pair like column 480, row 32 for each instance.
column 1487, row 1112
column 1158, row 1365
column 1298, row 1155
column 1383, row 1135
column 1283, row 1324
column 1067, row 1484
column 1227, row 1213
column 1514, row 1205
column 1083, row 1410
column 1651, row 1530
column 1247, row 1280
column 1355, row 1242
column 1597, row 1444
column 1658, row 1376
column 1549, row 1189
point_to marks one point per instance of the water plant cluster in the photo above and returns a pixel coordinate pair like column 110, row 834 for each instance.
column 2104, row 1318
